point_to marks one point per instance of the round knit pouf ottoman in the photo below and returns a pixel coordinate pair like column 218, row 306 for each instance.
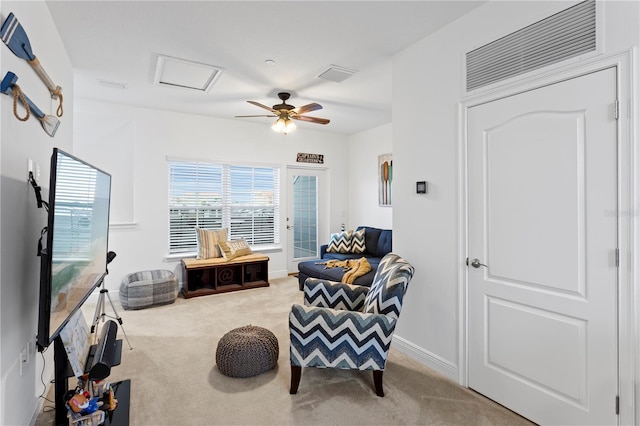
column 247, row 351
column 148, row 288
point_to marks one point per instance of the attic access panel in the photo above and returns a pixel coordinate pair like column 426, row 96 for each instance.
column 186, row 74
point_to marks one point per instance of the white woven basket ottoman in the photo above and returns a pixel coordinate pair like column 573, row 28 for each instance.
column 148, row 288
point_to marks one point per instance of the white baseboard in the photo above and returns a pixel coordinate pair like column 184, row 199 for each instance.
column 278, row 274
column 425, row 357
column 39, row 405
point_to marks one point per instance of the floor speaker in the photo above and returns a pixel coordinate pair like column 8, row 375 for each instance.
column 105, row 352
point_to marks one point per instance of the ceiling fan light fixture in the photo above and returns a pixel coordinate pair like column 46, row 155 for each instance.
column 283, row 125
column 279, row 125
column 289, row 127
column 285, row 113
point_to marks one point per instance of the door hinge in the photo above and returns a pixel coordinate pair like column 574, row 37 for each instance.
column 616, row 109
column 617, row 404
column 617, row 258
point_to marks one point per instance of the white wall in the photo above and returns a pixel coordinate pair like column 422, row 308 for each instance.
column 21, row 220
column 107, row 133
column 363, row 151
column 427, row 89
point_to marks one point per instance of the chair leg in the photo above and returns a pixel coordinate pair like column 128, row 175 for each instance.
column 296, row 372
column 377, row 381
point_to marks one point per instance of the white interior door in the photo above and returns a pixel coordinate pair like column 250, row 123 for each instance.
column 306, row 214
column 543, row 311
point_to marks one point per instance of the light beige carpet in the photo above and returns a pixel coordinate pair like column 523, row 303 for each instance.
column 175, row 381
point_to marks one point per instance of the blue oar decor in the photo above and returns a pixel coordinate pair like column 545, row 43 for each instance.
column 9, row 87
column 15, row 37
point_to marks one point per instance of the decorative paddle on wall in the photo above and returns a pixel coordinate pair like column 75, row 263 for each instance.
column 15, row 37
column 385, row 177
column 9, row 87
column 390, row 180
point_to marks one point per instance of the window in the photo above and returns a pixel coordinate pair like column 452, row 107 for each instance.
column 244, row 199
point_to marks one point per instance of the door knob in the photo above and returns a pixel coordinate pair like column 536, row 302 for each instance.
column 476, row 263
column 289, row 227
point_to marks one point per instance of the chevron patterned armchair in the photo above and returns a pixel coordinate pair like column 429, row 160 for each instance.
column 348, row 326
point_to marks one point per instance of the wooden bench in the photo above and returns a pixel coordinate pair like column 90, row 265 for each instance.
column 219, row 275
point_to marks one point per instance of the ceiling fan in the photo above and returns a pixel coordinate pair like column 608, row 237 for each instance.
column 285, row 113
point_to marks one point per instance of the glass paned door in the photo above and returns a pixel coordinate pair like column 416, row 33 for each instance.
column 306, row 214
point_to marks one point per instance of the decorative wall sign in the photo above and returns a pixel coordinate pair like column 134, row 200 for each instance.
column 303, row 157
column 385, row 176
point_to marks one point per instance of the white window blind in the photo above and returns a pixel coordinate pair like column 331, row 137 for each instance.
column 75, row 197
column 244, row 199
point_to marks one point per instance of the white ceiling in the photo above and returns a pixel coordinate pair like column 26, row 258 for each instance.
column 119, row 41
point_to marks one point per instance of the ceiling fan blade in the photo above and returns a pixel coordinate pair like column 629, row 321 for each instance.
column 307, row 108
column 247, row 116
column 258, row 104
column 316, row 120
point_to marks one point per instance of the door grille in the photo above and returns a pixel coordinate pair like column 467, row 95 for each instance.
column 566, row 34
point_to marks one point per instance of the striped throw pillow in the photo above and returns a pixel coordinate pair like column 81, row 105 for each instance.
column 340, row 242
column 357, row 242
column 208, row 240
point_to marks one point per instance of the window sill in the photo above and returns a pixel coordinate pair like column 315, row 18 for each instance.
column 123, row 225
column 262, row 249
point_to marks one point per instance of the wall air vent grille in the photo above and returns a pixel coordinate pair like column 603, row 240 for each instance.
column 566, row 34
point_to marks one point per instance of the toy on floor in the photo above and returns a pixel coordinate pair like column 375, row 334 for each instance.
column 110, row 402
column 78, row 402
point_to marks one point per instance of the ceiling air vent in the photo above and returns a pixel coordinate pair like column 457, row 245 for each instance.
column 336, row 74
column 187, row 74
column 112, row 84
column 564, row 35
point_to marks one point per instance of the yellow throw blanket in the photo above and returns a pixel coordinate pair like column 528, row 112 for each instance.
column 354, row 268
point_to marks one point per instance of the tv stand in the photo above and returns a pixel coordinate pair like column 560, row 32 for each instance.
column 62, row 372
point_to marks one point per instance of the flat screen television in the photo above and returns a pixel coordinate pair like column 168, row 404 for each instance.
column 74, row 261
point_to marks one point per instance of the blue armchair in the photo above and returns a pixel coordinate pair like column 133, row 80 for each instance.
column 348, row 326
